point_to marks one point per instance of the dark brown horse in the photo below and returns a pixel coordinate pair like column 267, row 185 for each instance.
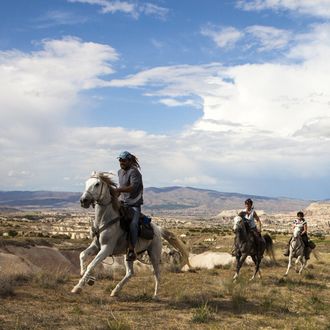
column 245, row 245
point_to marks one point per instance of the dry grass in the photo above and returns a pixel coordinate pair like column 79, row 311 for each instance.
column 204, row 299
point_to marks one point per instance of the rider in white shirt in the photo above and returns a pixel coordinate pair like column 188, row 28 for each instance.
column 301, row 223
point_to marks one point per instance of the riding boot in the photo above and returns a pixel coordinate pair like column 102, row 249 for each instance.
column 307, row 252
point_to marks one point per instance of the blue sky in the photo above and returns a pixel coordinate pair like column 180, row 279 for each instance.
column 224, row 95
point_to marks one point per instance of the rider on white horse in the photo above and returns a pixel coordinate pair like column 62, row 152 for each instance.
column 252, row 221
column 131, row 194
column 300, row 223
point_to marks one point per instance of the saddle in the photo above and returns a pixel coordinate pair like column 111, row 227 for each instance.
column 126, row 215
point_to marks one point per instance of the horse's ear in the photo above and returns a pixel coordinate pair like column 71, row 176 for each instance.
column 94, row 174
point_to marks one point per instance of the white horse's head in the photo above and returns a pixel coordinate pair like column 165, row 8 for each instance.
column 296, row 232
column 96, row 190
column 238, row 221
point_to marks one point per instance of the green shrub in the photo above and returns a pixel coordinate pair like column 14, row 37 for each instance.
column 203, row 314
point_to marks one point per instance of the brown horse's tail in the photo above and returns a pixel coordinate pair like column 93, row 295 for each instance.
column 177, row 244
column 269, row 246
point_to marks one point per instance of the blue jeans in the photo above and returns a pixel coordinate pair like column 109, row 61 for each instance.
column 134, row 225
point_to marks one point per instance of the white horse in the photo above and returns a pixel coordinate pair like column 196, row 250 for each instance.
column 111, row 240
column 296, row 250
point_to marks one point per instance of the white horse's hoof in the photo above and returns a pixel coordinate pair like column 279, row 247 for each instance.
column 77, row 289
column 91, row 280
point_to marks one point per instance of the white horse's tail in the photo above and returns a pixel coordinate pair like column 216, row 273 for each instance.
column 177, row 244
column 316, row 254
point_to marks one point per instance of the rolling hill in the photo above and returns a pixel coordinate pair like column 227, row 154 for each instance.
column 179, row 201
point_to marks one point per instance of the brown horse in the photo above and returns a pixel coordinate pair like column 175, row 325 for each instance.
column 245, row 246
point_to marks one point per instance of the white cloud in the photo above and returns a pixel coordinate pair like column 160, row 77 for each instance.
column 257, row 130
column 131, row 8
column 272, row 96
column 111, row 6
column 268, row 37
column 224, row 37
column 319, row 8
column 154, row 10
column 262, row 38
column 157, row 44
column 176, row 103
column 38, row 88
column 57, row 17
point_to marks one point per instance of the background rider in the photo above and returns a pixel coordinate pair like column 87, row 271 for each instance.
column 252, row 220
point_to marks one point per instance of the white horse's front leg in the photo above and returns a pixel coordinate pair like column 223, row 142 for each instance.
column 105, row 251
column 91, row 250
column 240, row 260
column 128, row 275
column 289, row 265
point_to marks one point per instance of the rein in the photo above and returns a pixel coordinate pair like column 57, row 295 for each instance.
column 97, row 200
column 98, row 231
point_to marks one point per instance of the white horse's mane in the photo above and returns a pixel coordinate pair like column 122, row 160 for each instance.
column 106, row 177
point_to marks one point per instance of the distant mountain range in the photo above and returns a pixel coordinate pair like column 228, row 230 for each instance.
column 176, row 201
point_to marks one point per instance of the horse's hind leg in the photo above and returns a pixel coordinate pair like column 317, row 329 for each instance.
column 128, row 275
column 155, row 256
column 296, row 264
column 303, row 263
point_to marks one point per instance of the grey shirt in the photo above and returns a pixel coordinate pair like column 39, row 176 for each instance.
column 131, row 177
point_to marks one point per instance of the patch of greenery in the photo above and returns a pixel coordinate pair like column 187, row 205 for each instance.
column 203, row 314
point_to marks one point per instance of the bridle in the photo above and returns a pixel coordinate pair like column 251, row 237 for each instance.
column 97, row 200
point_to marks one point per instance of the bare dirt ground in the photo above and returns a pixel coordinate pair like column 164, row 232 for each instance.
column 203, row 299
